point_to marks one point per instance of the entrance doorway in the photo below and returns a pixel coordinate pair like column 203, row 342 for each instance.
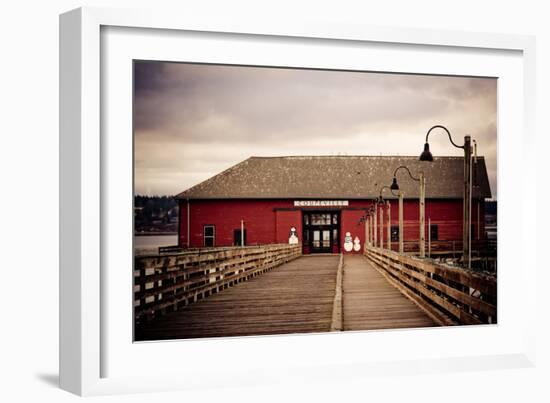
column 321, row 232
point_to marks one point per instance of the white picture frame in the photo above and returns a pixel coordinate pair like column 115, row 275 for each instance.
column 88, row 334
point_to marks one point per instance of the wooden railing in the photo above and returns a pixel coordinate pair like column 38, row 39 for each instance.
column 170, row 249
column 450, row 296
column 175, row 249
column 165, row 283
column 481, row 247
column 483, row 255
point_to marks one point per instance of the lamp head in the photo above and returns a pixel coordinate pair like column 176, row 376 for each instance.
column 394, row 185
column 426, row 154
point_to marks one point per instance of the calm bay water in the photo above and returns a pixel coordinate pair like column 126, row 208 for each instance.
column 149, row 244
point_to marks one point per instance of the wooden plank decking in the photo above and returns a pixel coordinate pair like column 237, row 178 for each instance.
column 296, row 297
column 370, row 302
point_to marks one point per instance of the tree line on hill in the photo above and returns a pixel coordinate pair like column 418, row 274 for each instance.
column 155, row 214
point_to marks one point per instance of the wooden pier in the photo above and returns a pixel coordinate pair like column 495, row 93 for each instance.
column 371, row 302
column 274, row 290
column 296, row 297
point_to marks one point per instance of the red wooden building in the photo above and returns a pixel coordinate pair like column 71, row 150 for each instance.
column 323, row 198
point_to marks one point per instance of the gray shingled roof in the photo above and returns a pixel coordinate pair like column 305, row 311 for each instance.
column 336, row 177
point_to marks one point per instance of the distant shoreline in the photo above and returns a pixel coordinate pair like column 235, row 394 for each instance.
column 154, row 233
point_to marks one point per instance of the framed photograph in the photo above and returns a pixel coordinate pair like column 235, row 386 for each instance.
column 273, row 198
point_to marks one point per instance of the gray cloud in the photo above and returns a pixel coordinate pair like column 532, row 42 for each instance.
column 192, row 121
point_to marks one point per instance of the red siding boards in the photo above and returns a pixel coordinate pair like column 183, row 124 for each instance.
column 446, row 214
column 226, row 215
column 182, row 225
column 269, row 221
column 284, row 221
column 350, row 223
column 478, row 218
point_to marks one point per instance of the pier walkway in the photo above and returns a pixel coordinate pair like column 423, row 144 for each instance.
column 370, row 302
column 296, row 297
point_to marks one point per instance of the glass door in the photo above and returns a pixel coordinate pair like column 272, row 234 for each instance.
column 321, row 231
column 325, row 240
column 316, row 245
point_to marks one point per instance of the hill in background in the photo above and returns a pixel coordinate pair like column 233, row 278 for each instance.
column 155, row 215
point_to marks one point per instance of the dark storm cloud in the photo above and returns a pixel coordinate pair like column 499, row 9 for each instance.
column 148, row 77
column 192, row 121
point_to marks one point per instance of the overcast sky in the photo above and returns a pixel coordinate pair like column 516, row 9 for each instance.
column 193, row 121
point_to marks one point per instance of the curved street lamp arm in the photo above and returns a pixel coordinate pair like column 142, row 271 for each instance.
column 372, row 207
column 382, row 189
column 390, row 189
column 408, row 170
column 449, row 134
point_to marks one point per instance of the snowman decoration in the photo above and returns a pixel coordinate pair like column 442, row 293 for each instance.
column 356, row 244
column 293, row 238
column 348, row 245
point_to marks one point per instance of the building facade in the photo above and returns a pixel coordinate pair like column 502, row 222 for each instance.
column 321, row 202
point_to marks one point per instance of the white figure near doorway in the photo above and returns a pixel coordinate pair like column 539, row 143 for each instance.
column 348, row 244
column 293, row 238
column 356, row 244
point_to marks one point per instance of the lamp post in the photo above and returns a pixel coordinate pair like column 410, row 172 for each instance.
column 467, row 147
column 381, row 226
column 400, row 218
column 388, row 206
column 370, row 222
column 367, row 234
column 379, row 222
column 422, row 196
column 400, row 194
column 374, row 227
column 370, row 229
column 401, row 229
column 367, row 219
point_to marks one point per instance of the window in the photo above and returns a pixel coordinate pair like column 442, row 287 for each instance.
column 237, row 237
column 434, row 232
column 326, row 238
column 320, row 219
column 316, row 239
column 209, row 235
column 394, row 233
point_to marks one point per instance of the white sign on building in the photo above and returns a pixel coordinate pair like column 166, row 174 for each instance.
column 320, row 203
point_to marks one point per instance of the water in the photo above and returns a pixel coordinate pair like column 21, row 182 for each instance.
column 149, row 244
